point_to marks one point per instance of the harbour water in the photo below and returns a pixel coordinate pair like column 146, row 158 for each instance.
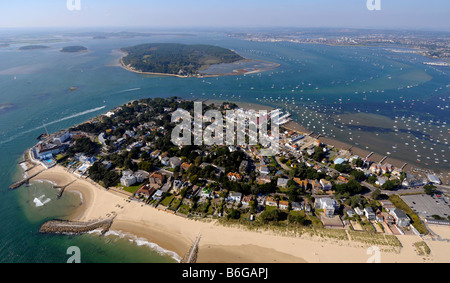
column 385, row 102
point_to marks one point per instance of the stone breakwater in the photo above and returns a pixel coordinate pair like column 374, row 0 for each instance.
column 73, row 227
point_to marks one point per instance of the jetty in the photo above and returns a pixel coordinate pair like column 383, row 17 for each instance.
column 191, row 256
column 63, row 188
column 24, row 181
column 73, row 227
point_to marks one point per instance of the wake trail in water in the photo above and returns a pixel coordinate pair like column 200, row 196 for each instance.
column 53, row 122
column 128, row 90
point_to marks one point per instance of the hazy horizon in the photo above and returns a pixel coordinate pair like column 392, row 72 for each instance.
column 209, row 14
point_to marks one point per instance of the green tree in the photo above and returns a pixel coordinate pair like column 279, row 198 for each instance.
column 430, row 189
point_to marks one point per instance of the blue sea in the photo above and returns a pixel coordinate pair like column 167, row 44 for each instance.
column 384, row 102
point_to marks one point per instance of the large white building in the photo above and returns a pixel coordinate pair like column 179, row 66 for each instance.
column 128, row 178
column 434, row 179
column 327, row 204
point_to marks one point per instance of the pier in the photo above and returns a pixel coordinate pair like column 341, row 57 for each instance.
column 368, row 156
column 382, row 160
column 24, row 181
column 191, row 256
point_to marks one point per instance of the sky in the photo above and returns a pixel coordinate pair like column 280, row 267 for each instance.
column 394, row 14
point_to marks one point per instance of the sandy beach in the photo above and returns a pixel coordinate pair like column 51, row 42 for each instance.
column 220, row 244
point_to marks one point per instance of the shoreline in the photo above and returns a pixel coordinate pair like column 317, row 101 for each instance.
column 343, row 145
column 199, row 75
column 295, row 126
column 173, row 235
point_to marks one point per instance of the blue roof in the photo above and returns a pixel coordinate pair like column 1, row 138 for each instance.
column 339, row 161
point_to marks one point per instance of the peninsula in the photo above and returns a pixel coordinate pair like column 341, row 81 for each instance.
column 179, row 59
column 127, row 169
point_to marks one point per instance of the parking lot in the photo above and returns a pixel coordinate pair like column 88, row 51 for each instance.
column 425, row 206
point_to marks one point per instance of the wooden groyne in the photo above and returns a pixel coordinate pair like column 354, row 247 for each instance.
column 24, row 181
column 73, row 227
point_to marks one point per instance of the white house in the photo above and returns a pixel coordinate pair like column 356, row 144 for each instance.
column 174, row 162
column 128, row 179
column 296, row 206
column 264, row 170
column 141, row 176
column 327, row 204
column 282, row 182
column 235, row 196
column 368, row 212
column 401, row 218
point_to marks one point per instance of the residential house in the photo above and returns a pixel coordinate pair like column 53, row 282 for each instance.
column 243, row 167
column 141, row 176
column 263, row 180
column 380, row 181
column 128, row 179
column 282, row 182
column 166, row 186
column 235, row 197
column 368, row 212
column 236, row 177
column 246, row 200
column 156, row 178
column 145, row 191
column 270, row 201
column 303, row 183
column 400, row 217
column 174, row 162
column 185, row 166
column 326, row 185
column 388, row 206
column 350, row 212
column 283, row 205
column 155, row 154
column 297, row 206
column 375, row 169
column 264, row 169
column 157, row 195
column 162, row 156
column 165, row 161
column 177, row 186
column 342, row 179
column 359, row 211
column 327, row 204
column 316, row 187
column 205, row 193
column 388, row 219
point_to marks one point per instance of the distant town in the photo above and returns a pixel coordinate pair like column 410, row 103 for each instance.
column 129, row 150
column 430, row 44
